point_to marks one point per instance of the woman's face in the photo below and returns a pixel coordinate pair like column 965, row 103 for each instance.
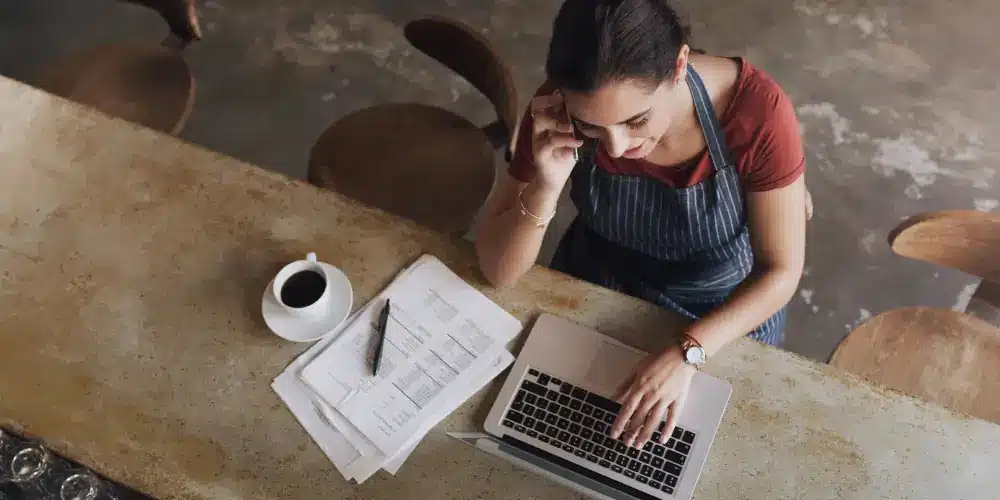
column 629, row 118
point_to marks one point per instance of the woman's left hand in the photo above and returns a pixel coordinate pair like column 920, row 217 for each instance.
column 656, row 390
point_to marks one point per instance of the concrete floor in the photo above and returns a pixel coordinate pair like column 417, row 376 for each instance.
column 897, row 103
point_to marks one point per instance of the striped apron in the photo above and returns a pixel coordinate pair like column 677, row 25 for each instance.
column 685, row 249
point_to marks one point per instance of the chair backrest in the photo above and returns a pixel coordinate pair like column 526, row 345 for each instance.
column 939, row 355
column 180, row 15
column 473, row 57
column 142, row 83
column 966, row 240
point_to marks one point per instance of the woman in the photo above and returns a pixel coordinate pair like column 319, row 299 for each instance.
column 687, row 171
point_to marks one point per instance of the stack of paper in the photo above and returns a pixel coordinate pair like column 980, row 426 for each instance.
column 444, row 341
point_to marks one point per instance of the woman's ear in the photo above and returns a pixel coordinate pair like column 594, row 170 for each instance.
column 680, row 67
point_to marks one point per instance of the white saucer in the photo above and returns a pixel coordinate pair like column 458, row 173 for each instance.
column 308, row 329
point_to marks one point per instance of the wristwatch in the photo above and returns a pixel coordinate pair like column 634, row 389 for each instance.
column 694, row 353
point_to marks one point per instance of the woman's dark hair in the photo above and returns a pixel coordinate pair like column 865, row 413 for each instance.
column 597, row 41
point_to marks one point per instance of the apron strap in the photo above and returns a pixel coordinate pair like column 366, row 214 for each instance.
column 714, row 137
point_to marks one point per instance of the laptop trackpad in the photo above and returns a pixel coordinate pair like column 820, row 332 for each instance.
column 610, row 366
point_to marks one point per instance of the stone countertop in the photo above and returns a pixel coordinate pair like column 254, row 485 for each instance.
column 131, row 338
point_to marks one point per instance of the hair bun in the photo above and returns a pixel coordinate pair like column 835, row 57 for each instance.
column 596, row 41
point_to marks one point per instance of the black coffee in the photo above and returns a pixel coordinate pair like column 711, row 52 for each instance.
column 303, row 289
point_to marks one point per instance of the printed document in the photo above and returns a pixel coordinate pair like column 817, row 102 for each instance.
column 441, row 335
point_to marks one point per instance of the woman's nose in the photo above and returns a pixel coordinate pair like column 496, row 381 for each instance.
column 617, row 144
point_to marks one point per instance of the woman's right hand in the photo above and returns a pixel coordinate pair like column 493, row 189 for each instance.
column 552, row 142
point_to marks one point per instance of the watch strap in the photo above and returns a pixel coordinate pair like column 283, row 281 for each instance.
column 688, row 341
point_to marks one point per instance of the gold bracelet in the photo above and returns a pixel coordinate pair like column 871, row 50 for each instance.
column 540, row 221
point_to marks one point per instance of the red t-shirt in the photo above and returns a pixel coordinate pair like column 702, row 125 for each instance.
column 761, row 131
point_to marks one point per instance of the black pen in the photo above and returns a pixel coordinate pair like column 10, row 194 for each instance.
column 383, row 322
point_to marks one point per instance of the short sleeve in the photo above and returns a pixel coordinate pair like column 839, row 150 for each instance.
column 777, row 159
column 522, row 165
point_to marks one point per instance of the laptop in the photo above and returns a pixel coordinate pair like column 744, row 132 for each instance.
column 554, row 413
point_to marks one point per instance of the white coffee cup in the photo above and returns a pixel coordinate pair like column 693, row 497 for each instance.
column 309, row 264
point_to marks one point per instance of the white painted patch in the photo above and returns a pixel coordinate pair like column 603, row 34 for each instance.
column 864, row 24
column 871, row 110
column 903, row 154
column 895, row 61
column 807, row 296
column 867, row 242
column 345, row 82
column 964, row 296
column 863, row 315
column 986, row 204
column 806, row 271
column 910, row 154
column 805, row 9
column 815, row 309
column 840, row 125
column 968, row 154
column 848, row 327
column 868, row 26
column 329, row 96
column 913, row 192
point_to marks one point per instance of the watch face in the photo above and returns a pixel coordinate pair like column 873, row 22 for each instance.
column 695, row 355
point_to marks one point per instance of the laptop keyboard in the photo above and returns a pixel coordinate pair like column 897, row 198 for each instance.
column 576, row 421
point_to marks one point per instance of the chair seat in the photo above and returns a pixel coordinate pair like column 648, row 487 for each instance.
column 417, row 161
column 940, row 355
column 145, row 84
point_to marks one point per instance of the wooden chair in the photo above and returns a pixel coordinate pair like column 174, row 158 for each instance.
column 420, row 161
column 966, row 240
column 147, row 84
column 951, row 358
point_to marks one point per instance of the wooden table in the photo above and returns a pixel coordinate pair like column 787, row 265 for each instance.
column 131, row 270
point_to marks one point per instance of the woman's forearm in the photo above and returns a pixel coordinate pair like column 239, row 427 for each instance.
column 508, row 241
column 751, row 304
column 777, row 226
